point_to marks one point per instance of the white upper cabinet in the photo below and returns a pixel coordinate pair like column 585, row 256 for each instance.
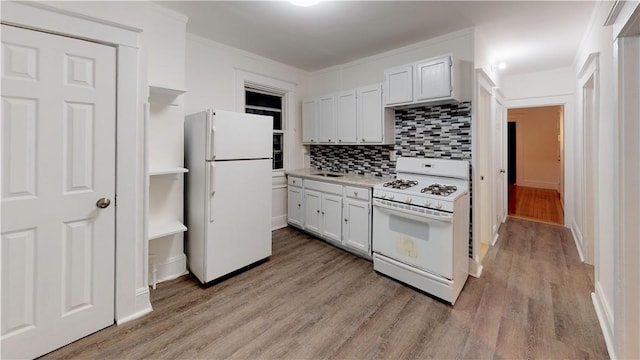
column 309, row 124
column 326, row 119
column 371, row 122
column 398, row 82
column 346, row 117
column 433, row 80
column 349, row 117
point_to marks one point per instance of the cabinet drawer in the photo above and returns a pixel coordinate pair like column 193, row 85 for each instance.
column 294, row 181
column 323, row 187
column 356, row 193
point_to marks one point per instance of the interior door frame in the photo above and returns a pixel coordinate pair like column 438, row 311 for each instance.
column 131, row 290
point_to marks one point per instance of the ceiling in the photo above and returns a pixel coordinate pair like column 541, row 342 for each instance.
column 527, row 35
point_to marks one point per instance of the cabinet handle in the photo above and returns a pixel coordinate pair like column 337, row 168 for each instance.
column 318, row 211
column 355, row 193
column 345, row 220
column 323, row 213
column 299, row 205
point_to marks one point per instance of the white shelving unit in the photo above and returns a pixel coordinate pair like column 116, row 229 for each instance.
column 165, row 170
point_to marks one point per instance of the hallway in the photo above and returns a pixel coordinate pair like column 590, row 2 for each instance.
column 535, row 204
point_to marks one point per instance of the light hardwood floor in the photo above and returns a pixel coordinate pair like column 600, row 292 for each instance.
column 535, row 204
column 313, row 301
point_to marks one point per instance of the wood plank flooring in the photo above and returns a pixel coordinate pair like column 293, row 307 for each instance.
column 314, row 301
column 535, row 204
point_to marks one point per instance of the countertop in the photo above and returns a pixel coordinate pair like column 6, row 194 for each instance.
column 347, row 179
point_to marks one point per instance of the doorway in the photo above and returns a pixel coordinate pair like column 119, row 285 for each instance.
column 535, row 163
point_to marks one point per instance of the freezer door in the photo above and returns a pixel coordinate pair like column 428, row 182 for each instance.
column 234, row 135
column 238, row 214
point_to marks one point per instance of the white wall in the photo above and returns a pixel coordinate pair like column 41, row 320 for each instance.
column 211, row 79
column 370, row 70
column 599, row 39
column 539, row 84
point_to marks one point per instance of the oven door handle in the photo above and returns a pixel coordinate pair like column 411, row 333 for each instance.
column 411, row 214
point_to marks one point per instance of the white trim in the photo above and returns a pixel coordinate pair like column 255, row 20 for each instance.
column 577, row 239
column 39, row 16
column 130, row 245
column 590, row 144
column 172, row 268
column 171, row 13
column 419, row 45
column 142, row 296
column 602, row 314
column 567, row 101
column 481, row 81
column 475, row 268
column 279, row 222
column 249, row 55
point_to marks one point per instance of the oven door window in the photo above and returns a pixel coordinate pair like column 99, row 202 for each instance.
column 414, row 240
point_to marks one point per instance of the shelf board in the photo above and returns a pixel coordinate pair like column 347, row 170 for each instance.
column 167, row 171
column 164, row 95
column 161, row 90
column 158, row 229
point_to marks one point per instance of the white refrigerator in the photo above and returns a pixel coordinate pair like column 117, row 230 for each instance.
column 228, row 191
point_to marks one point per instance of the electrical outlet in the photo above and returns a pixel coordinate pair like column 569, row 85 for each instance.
column 392, row 155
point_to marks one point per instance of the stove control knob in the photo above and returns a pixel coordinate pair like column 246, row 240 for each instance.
column 427, row 203
column 383, row 195
column 408, row 201
column 390, row 196
column 438, row 205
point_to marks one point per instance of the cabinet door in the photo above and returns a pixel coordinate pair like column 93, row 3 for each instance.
column 332, row 217
column 294, row 206
column 346, row 116
column 398, row 84
column 433, row 79
column 312, row 207
column 370, row 114
column 326, row 119
column 309, row 123
column 357, row 230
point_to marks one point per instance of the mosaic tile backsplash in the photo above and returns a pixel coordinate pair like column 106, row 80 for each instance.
column 441, row 131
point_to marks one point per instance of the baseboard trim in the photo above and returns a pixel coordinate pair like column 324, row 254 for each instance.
column 605, row 326
column 173, row 268
column 279, row 222
column 475, row 268
column 577, row 239
column 495, row 239
column 143, row 306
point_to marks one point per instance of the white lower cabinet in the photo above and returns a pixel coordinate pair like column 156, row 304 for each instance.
column 312, row 208
column 340, row 214
column 294, row 206
column 356, row 232
column 331, row 217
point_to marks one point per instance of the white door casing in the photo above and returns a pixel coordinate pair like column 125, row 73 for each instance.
column 58, row 136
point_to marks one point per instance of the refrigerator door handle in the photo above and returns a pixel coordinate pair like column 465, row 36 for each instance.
column 212, row 143
column 212, row 178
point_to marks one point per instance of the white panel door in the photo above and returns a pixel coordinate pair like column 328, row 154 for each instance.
column 312, row 207
column 332, row 217
column 58, row 159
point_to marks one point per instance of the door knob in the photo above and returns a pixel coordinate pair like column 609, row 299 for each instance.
column 502, row 171
column 103, row 203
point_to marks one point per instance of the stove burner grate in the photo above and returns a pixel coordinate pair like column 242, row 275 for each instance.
column 400, row 184
column 438, row 189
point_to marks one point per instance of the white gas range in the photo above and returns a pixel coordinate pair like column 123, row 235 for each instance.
column 421, row 225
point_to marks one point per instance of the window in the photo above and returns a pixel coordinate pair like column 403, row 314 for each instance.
column 270, row 104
